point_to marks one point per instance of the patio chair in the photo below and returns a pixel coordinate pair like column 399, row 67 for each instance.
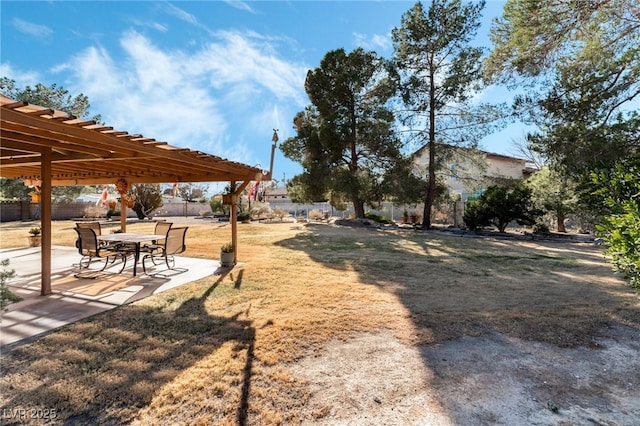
column 93, row 225
column 97, row 228
column 91, row 249
column 173, row 244
column 162, row 228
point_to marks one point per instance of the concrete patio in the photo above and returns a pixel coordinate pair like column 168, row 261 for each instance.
column 79, row 295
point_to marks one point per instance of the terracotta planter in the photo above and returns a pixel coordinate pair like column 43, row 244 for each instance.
column 112, row 205
column 130, row 203
column 35, row 240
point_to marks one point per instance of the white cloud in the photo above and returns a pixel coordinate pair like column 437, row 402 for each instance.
column 375, row 42
column 36, row 30
column 185, row 16
column 181, row 14
column 22, row 78
column 151, row 24
column 193, row 98
column 249, row 65
column 240, row 5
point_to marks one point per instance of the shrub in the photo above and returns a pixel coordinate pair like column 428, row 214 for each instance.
column 244, row 216
column 148, row 199
column 316, row 215
column 6, row 296
column 93, row 212
column 261, row 210
column 622, row 233
column 378, row 218
column 475, row 215
column 499, row 205
column 619, row 188
column 226, row 248
column 541, row 227
column 112, row 213
column 280, row 213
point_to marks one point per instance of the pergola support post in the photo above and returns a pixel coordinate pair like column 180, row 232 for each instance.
column 235, row 192
column 123, row 213
column 45, row 221
column 234, row 227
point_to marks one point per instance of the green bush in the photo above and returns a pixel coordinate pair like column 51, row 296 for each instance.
column 112, row 213
column 500, row 205
column 541, row 227
column 618, row 189
column 244, row 216
column 6, row 296
column 622, row 233
column 378, row 218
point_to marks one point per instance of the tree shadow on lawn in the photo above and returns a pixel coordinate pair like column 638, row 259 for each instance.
column 503, row 299
column 560, row 293
column 133, row 353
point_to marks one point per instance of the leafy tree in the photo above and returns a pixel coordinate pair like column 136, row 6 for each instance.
column 440, row 72
column 621, row 226
column 66, row 194
column 581, row 60
column 14, row 188
column 345, row 140
column 51, row 97
column 217, row 205
column 555, row 193
column 309, row 186
column 499, row 205
column 148, row 198
column 191, row 192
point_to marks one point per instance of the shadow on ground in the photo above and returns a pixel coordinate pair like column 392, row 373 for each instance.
column 501, row 323
column 133, row 355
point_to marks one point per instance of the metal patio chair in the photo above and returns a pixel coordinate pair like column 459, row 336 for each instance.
column 174, row 244
column 91, row 250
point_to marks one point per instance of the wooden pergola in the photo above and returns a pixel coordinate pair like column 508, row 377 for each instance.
column 38, row 143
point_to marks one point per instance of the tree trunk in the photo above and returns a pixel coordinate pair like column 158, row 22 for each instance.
column 358, row 207
column 431, row 190
column 428, row 204
column 560, row 219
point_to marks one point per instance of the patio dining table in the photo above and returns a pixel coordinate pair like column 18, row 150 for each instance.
column 134, row 239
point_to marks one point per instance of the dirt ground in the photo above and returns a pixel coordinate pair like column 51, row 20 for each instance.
column 326, row 325
column 475, row 381
column 484, row 380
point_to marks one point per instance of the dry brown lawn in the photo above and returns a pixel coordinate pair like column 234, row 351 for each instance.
column 222, row 350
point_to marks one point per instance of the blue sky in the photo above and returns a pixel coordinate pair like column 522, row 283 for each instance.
column 215, row 76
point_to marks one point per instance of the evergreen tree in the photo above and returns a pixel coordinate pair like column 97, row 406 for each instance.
column 440, row 72
column 346, row 141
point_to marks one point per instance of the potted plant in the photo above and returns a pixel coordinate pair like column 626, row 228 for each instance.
column 35, row 238
column 112, row 203
column 131, row 200
column 226, row 255
column 244, row 217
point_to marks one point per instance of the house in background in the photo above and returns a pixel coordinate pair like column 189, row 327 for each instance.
column 468, row 172
column 275, row 196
